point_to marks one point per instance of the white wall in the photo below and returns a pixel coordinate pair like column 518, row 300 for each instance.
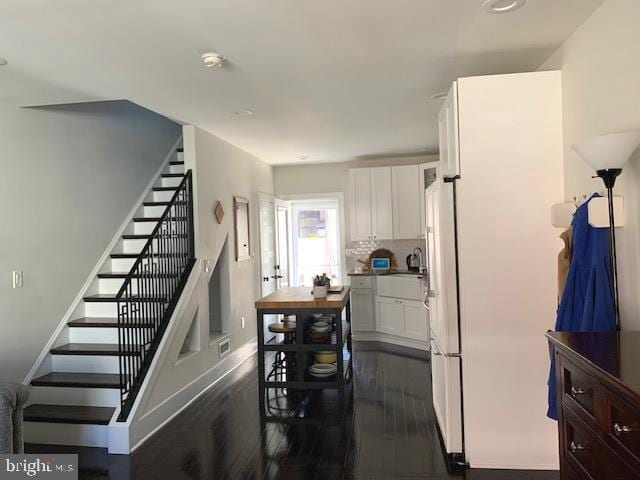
column 332, row 177
column 70, row 175
column 220, row 171
column 600, row 66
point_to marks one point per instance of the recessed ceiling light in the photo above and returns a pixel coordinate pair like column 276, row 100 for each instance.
column 303, row 157
column 3, row 62
column 439, row 96
column 502, row 6
column 241, row 113
column 213, row 59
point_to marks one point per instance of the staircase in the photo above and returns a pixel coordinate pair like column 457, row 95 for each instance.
column 91, row 376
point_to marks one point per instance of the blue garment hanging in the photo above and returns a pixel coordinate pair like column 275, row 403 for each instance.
column 587, row 300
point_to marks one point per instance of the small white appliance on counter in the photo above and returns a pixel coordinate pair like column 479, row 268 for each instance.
column 492, row 268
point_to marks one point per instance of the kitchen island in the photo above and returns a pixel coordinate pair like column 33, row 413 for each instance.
column 292, row 352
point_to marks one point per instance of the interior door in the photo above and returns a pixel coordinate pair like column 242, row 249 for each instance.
column 268, row 263
column 283, row 243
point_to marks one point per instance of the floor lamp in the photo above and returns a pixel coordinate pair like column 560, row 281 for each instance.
column 607, row 154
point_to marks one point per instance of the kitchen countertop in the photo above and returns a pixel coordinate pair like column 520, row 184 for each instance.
column 370, row 273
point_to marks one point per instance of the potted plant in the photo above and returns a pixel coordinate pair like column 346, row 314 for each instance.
column 321, row 285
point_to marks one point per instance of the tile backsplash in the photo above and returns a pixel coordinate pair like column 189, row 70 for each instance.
column 360, row 250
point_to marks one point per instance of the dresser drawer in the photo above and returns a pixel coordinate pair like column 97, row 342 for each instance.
column 621, row 422
column 589, row 456
column 580, row 390
column 361, row 282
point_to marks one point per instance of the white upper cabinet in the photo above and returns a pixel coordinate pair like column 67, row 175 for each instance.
column 448, row 131
column 360, row 209
column 381, row 204
column 406, row 201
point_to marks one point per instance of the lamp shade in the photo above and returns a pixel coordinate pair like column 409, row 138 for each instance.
column 608, row 151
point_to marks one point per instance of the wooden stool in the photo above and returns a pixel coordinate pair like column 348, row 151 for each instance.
column 286, row 359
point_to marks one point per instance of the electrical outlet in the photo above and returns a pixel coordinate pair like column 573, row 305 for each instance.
column 17, row 278
column 242, row 322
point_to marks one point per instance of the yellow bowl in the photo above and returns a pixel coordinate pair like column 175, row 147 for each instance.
column 326, row 357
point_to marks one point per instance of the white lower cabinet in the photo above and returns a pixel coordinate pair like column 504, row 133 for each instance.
column 390, row 315
column 405, row 318
column 362, row 313
column 416, row 321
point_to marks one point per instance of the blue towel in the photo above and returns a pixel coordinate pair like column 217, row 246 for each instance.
column 587, row 301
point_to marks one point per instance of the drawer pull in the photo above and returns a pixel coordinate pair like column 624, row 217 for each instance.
column 619, row 430
column 577, row 391
column 577, row 447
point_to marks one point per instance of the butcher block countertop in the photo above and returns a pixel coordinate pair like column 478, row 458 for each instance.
column 301, row 297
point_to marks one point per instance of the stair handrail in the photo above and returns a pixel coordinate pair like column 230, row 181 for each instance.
column 142, row 320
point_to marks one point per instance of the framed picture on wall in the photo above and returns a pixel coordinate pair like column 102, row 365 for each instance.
column 241, row 227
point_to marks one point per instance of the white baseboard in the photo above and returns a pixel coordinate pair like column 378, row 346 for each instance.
column 392, row 339
column 152, row 421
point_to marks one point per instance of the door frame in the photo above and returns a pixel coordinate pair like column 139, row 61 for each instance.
column 335, row 196
column 279, row 203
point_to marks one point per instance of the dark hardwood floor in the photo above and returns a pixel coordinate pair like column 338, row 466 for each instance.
column 386, row 431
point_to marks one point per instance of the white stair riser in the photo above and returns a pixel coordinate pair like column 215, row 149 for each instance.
column 97, row 397
column 136, row 246
column 180, row 156
column 155, row 211
column 66, row 434
column 122, row 264
column 163, row 195
column 171, row 181
column 176, row 169
column 85, row 363
column 93, row 335
column 144, row 228
column 111, row 286
column 101, row 309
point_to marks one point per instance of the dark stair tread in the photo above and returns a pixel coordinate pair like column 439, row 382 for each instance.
column 136, row 255
column 144, row 236
column 78, row 380
column 105, row 297
column 68, row 414
column 106, row 322
column 164, row 189
column 176, row 162
column 109, row 349
column 172, row 175
column 126, row 274
column 161, row 203
column 180, row 150
column 147, row 219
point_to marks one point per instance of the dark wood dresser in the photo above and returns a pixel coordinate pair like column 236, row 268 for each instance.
column 598, row 385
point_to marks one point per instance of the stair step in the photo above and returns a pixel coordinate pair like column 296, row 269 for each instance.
column 144, row 236
column 108, row 349
column 164, row 189
column 107, row 298
column 136, row 255
column 99, row 322
column 161, row 203
column 126, row 274
column 172, row 175
column 68, row 414
column 78, row 380
column 179, row 150
column 176, row 162
column 147, row 219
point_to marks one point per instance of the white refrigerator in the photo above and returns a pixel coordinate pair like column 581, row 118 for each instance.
column 491, row 282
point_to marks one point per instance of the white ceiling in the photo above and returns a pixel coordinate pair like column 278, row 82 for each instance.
column 332, row 79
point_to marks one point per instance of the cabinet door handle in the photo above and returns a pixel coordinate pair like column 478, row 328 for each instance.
column 577, row 447
column 577, row 391
column 620, row 429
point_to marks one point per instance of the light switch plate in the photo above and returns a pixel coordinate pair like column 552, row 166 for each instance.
column 17, row 278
